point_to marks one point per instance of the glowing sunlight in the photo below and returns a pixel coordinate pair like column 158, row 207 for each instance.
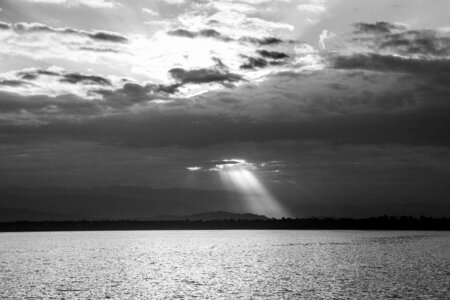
column 239, row 175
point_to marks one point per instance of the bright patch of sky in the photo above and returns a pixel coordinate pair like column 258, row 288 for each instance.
column 217, row 45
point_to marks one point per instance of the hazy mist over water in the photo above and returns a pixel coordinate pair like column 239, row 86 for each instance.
column 225, row 265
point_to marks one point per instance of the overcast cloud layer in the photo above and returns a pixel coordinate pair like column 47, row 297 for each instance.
column 329, row 102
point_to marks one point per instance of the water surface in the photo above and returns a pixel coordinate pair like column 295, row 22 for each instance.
column 229, row 264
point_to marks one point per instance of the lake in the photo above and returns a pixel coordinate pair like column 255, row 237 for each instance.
column 232, row 264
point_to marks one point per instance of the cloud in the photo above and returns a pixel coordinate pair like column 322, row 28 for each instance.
column 312, row 8
column 183, row 33
column 325, row 35
column 398, row 39
column 45, row 109
column 12, row 82
column 149, row 12
column 203, row 75
column 389, row 63
column 337, row 106
column 89, row 3
column 132, row 93
column 108, row 36
column 63, row 76
column 128, row 94
column 254, row 62
column 355, row 106
column 272, row 54
column 54, row 81
column 351, row 105
column 207, row 33
column 378, row 27
column 212, row 33
column 150, row 129
column 86, row 79
column 41, row 109
column 424, row 42
column 224, row 164
column 367, row 95
column 194, row 168
column 147, row 57
column 262, row 41
column 362, row 109
column 32, row 74
column 22, row 28
column 101, row 50
column 4, row 26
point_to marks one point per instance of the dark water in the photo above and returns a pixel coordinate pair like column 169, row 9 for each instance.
column 225, row 265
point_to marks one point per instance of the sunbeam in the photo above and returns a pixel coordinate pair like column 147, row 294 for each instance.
column 238, row 175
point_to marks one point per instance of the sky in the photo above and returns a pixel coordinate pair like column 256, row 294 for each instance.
column 290, row 103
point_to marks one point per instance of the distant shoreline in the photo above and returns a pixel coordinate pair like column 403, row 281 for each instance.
column 376, row 223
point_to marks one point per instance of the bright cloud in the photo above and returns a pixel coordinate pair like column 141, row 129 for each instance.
column 325, row 35
column 149, row 12
column 90, row 3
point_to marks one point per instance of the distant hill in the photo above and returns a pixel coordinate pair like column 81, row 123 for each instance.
column 13, row 214
column 145, row 203
column 210, row 216
column 115, row 202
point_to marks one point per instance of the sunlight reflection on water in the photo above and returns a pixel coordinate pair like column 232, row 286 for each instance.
column 224, row 265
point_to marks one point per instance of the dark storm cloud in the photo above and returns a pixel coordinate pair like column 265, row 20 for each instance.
column 166, row 88
column 254, row 62
column 222, row 162
column 203, row 75
column 333, row 106
column 398, row 39
column 33, row 74
column 427, row 42
column 73, row 78
column 108, row 36
column 417, row 127
column 415, row 113
column 275, row 58
column 129, row 93
column 262, row 41
column 43, row 105
column 272, row 54
column 208, row 33
column 132, row 93
column 389, row 63
column 378, row 27
column 47, row 72
column 85, row 79
column 94, row 49
column 207, row 130
column 212, row 33
column 183, row 33
column 423, row 55
column 98, row 35
column 13, row 82
column 47, row 108
column 4, row 26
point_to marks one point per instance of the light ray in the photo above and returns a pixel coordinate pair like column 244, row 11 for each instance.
column 238, row 175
